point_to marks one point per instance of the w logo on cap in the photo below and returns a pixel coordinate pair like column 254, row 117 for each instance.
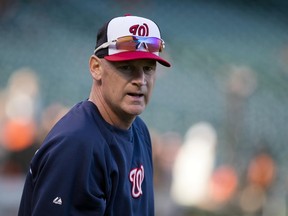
column 140, row 30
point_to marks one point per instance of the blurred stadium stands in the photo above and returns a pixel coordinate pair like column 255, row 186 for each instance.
column 230, row 69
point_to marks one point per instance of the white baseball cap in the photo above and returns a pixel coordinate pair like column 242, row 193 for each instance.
column 130, row 38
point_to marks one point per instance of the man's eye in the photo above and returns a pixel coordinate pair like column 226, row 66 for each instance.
column 149, row 69
column 125, row 68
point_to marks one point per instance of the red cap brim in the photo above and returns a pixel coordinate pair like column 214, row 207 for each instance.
column 136, row 55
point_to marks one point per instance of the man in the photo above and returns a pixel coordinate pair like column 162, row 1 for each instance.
column 97, row 158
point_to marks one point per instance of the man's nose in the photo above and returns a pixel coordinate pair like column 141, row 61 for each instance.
column 140, row 78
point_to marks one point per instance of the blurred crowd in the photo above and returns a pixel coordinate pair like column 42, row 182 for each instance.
column 188, row 181
column 23, row 121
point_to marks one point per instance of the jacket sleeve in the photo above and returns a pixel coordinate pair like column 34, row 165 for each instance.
column 67, row 177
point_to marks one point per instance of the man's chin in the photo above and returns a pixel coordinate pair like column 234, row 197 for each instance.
column 136, row 110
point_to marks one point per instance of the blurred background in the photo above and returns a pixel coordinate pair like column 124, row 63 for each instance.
column 218, row 118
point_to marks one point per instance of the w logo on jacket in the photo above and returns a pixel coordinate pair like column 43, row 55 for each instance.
column 136, row 178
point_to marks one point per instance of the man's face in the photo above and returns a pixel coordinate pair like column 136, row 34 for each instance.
column 126, row 86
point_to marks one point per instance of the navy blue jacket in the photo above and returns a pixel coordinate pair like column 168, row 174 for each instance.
column 88, row 167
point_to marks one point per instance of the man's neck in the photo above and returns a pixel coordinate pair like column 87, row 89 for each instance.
column 107, row 114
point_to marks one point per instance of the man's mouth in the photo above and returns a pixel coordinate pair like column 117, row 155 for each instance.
column 136, row 94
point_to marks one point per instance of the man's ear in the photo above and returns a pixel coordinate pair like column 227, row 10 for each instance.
column 95, row 67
